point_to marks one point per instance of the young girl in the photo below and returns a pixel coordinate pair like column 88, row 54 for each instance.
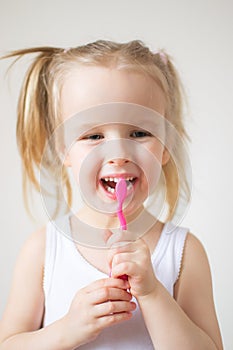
column 62, row 297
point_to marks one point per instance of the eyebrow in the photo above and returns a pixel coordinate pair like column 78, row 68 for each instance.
column 89, row 126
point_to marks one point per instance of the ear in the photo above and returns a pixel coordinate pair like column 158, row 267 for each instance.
column 67, row 161
column 62, row 152
column 165, row 157
column 65, row 157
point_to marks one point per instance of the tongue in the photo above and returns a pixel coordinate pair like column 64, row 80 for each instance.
column 107, row 184
column 111, row 184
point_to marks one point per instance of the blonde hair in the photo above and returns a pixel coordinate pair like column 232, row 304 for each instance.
column 39, row 102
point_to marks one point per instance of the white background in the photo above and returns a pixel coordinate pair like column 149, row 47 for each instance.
column 199, row 35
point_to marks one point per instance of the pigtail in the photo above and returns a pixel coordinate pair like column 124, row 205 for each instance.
column 36, row 118
column 175, row 174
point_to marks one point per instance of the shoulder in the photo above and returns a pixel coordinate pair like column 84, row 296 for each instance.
column 37, row 237
column 195, row 268
column 25, row 306
column 194, row 252
column 34, row 246
column 32, row 254
column 29, row 267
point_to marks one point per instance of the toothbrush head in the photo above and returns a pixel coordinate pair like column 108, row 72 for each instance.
column 121, row 192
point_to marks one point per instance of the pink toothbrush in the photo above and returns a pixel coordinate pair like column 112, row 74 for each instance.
column 121, row 193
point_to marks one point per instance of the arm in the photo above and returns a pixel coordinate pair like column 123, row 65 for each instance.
column 22, row 319
column 189, row 322
column 90, row 311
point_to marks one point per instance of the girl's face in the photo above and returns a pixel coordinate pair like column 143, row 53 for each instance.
column 86, row 87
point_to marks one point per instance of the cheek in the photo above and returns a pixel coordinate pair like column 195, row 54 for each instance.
column 84, row 163
column 150, row 163
column 156, row 148
column 76, row 157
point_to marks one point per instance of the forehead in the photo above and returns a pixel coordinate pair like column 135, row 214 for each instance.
column 88, row 86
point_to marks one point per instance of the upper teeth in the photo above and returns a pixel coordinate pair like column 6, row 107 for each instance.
column 116, row 179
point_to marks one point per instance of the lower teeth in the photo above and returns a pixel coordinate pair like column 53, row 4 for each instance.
column 110, row 189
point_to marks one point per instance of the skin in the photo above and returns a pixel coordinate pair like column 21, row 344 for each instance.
column 89, row 312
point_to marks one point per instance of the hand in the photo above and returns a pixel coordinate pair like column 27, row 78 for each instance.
column 134, row 260
column 99, row 305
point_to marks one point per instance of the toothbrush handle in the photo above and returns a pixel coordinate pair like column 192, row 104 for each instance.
column 123, row 227
column 122, row 220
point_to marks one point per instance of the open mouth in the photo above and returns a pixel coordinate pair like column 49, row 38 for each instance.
column 109, row 183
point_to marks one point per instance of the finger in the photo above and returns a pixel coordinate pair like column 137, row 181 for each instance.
column 127, row 248
column 106, row 283
column 123, row 257
column 114, row 307
column 105, row 294
column 109, row 320
column 106, row 235
column 128, row 268
column 119, row 237
column 123, row 246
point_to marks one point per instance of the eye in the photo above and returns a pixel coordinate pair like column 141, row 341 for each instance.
column 140, row 134
column 94, row 137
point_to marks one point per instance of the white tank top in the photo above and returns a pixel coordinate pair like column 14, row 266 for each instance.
column 66, row 271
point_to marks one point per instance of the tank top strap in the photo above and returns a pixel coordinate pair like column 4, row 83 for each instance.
column 50, row 254
column 167, row 256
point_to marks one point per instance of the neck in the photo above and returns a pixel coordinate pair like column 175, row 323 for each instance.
column 90, row 216
column 97, row 230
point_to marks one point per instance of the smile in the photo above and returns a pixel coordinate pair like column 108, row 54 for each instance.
column 109, row 183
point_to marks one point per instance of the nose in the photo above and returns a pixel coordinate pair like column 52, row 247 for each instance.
column 118, row 161
column 119, row 152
